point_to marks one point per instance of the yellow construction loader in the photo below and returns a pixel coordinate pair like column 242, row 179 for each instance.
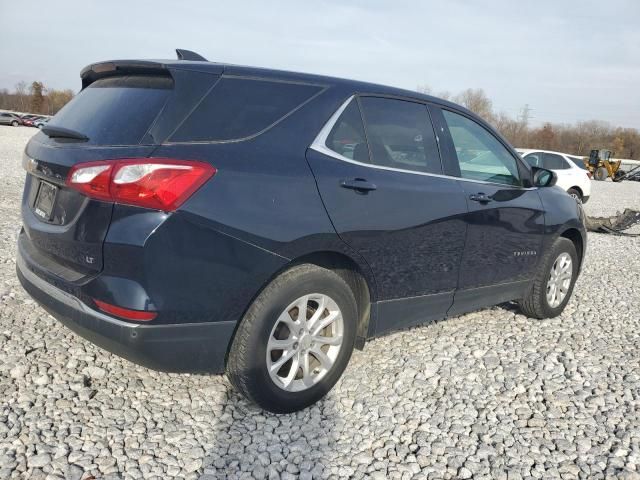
column 601, row 166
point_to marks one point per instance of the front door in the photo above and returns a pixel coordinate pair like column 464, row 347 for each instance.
column 505, row 220
column 387, row 198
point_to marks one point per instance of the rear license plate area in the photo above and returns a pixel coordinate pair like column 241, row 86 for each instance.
column 45, row 200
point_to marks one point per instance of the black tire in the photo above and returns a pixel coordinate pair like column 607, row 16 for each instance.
column 575, row 193
column 14, row 123
column 535, row 305
column 601, row 174
column 247, row 362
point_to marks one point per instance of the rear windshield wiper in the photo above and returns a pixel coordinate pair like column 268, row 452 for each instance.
column 60, row 132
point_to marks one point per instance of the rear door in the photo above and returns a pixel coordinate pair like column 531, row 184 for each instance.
column 505, row 220
column 387, row 198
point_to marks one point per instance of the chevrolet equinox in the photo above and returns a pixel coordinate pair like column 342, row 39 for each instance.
column 193, row 216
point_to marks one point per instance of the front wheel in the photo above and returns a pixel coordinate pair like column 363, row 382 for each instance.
column 14, row 123
column 601, row 174
column 295, row 340
column 554, row 282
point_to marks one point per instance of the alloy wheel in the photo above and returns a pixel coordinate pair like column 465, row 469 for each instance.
column 559, row 280
column 305, row 342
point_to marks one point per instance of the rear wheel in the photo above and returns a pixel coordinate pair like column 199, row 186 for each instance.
column 575, row 193
column 601, row 174
column 553, row 284
column 295, row 340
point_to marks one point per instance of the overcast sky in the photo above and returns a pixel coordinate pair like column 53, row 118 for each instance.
column 569, row 60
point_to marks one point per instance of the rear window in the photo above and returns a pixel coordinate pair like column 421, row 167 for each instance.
column 238, row 108
column 116, row 110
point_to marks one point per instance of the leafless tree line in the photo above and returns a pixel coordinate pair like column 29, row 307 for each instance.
column 34, row 98
column 578, row 138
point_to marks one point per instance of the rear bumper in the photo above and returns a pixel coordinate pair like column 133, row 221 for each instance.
column 188, row 347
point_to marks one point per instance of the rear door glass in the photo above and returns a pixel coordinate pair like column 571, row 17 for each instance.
column 116, row 110
column 552, row 161
column 400, row 135
column 238, row 108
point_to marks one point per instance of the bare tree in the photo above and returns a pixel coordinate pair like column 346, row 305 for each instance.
column 476, row 100
column 35, row 99
column 21, row 95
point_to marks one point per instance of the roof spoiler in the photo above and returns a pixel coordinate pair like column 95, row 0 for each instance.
column 189, row 55
column 95, row 71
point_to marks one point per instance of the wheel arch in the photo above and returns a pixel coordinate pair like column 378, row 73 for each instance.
column 576, row 238
column 355, row 276
column 575, row 187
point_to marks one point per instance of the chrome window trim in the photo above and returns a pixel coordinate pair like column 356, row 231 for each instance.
column 319, row 144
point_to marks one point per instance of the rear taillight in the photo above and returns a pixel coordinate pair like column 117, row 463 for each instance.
column 157, row 183
column 137, row 315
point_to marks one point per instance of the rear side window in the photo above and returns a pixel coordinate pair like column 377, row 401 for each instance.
column 238, row 108
column 347, row 136
column 579, row 162
column 400, row 135
column 116, row 110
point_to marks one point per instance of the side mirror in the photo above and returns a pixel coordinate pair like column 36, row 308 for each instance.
column 543, row 177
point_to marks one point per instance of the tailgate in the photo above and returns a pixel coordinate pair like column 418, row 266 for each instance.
column 63, row 229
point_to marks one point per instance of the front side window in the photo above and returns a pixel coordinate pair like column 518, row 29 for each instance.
column 552, row 161
column 400, row 135
column 347, row 135
column 480, row 155
column 533, row 159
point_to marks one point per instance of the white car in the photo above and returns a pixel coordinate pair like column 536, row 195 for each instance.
column 572, row 174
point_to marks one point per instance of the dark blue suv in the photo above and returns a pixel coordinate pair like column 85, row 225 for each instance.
column 199, row 217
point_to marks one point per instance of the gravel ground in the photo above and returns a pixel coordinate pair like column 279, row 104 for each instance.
column 490, row 394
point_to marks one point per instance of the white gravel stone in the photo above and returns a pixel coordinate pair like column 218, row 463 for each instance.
column 490, row 394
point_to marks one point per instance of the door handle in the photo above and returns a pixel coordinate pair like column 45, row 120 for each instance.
column 360, row 185
column 481, row 198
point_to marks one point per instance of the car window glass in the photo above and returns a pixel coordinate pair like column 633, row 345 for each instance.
column 238, row 108
column 347, row 135
column 552, row 161
column 533, row 159
column 99, row 110
column 400, row 135
column 480, row 155
column 579, row 162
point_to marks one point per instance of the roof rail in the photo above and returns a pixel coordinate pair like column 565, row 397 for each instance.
column 189, row 55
